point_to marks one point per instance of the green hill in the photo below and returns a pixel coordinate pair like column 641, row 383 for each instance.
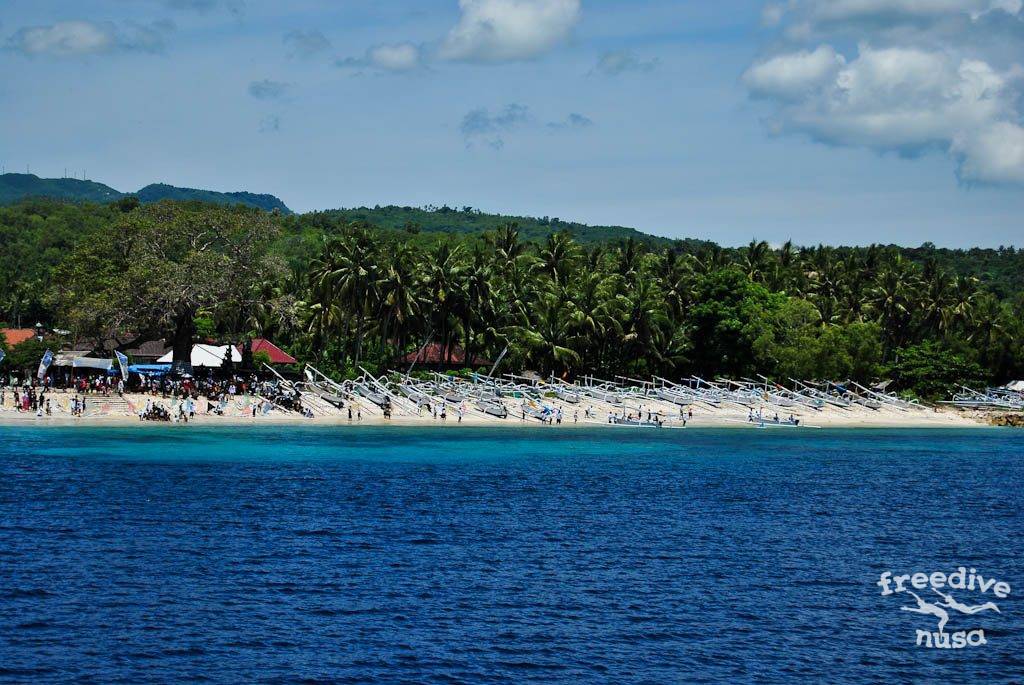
column 469, row 221
column 15, row 187
column 162, row 191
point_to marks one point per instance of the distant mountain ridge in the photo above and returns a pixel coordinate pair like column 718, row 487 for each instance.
column 14, row 187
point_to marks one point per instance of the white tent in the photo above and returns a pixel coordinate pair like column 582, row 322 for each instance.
column 1016, row 385
column 208, row 356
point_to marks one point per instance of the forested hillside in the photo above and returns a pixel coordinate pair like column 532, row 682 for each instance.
column 341, row 291
column 17, row 187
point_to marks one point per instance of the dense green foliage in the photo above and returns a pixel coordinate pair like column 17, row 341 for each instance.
column 16, row 187
column 161, row 191
column 469, row 221
column 167, row 270
column 334, row 289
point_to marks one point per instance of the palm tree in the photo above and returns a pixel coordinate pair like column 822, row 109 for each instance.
column 400, row 299
column 347, row 274
column 755, row 260
column 442, row 280
column 936, row 299
column 507, row 247
column 477, row 304
column 550, row 336
column 593, row 296
column 643, row 318
column 891, row 300
column 557, row 258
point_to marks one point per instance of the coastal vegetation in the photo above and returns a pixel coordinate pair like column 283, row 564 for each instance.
column 352, row 288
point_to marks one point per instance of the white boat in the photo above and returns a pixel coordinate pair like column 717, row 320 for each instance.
column 674, row 397
column 493, row 408
column 566, row 395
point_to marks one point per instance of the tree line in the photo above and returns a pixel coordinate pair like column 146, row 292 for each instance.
column 345, row 294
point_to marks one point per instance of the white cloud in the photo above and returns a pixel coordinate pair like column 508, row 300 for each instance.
column 993, row 154
column 900, row 100
column 400, row 57
column 927, row 75
column 618, row 62
column 793, row 75
column 396, row 58
column 79, row 38
column 482, row 127
column 479, row 125
column 509, row 30
column 839, row 10
column 772, row 14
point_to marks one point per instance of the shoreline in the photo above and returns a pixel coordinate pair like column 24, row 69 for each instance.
column 115, row 411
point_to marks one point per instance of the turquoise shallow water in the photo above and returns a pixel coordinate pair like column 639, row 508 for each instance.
column 486, row 555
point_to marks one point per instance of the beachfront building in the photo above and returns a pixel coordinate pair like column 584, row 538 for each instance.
column 278, row 357
column 16, row 336
column 438, row 357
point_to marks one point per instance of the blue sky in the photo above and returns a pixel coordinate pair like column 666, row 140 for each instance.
column 844, row 122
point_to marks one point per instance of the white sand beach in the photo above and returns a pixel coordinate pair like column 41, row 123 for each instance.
column 117, row 410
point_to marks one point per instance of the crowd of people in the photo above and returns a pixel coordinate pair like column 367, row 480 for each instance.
column 182, row 395
column 27, row 400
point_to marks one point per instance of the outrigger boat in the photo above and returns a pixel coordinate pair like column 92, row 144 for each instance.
column 494, row 408
column 568, row 396
column 992, row 398
column 376, row 397
column 418, row 397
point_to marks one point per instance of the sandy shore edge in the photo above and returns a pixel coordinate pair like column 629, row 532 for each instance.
column 121, row 412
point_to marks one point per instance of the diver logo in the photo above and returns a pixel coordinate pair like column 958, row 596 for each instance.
column 941, row 585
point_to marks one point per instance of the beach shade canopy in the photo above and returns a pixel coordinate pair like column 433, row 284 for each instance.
column 207, row 356
column 92, row 363
column 1017, row 386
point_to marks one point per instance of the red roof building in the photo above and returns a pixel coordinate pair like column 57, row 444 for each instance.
column 435, row 355
column 277, row 355
column 15, row 336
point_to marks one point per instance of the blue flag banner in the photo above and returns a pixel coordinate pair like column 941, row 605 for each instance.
column 122, row 361
column 44, row 365
column 2, row 355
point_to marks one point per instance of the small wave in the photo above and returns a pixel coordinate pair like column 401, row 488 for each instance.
column 25, row 593
column 318, row 533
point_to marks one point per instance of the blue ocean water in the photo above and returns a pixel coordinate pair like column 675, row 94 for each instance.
column 460, row 555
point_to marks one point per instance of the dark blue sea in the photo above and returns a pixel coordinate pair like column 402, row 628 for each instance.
column 460, row 555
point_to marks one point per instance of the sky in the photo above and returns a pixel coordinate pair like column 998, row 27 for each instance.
column 816, row 121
